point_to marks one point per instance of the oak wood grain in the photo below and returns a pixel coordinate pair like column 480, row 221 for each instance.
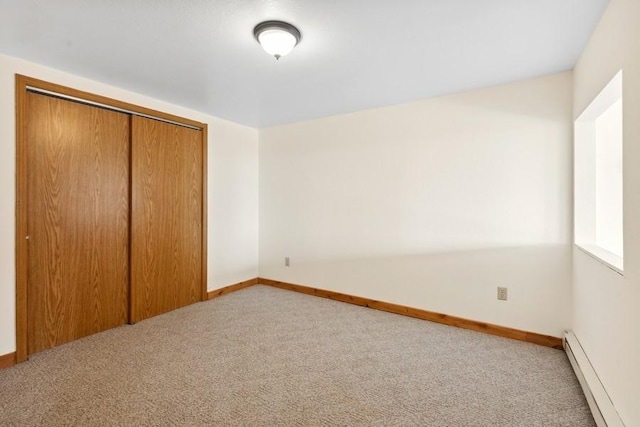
column 78, row 208
column 65, row 90
column 166, row 219
column 22, row 199
column 232, row 288
column 503, row 331
column 8, row 360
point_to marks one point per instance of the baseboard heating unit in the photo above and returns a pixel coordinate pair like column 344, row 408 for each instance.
column 602, row 408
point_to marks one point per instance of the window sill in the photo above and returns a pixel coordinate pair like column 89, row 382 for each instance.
column 611, row 260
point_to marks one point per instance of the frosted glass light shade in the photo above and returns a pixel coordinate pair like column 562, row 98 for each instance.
column 277, row 42
column 277, row 38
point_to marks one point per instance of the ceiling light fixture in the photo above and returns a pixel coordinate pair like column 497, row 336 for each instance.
column 277, row 38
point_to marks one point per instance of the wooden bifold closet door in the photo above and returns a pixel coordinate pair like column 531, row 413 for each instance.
column 78, row 220
column 166, row 244
column 115, row 220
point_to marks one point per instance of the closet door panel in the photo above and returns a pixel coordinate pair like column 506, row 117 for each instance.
column 166, row 242
column 78, row 220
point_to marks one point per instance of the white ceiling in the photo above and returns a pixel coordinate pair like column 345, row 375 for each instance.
column 354, row 54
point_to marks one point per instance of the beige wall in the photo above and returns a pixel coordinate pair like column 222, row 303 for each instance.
column 232, row 198
column 607, row 305
column 431, row 204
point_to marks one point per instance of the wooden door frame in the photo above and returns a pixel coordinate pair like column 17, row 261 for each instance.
column 22, row 83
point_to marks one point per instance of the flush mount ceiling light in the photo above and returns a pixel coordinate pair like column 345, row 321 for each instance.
column 277, row 38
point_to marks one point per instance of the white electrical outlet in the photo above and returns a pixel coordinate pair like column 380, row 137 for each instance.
column 502, row 293
column 286, row 261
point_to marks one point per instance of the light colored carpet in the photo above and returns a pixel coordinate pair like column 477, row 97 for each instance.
column 267, row 357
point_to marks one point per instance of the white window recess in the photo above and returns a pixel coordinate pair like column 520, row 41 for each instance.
column 598, row 177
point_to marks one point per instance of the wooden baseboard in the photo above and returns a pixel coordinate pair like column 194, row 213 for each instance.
column 231, row 288
column 8, row 360
column 431, row 316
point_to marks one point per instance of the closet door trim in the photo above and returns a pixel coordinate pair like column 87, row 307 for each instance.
column 23, row 84
column 109, row 107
